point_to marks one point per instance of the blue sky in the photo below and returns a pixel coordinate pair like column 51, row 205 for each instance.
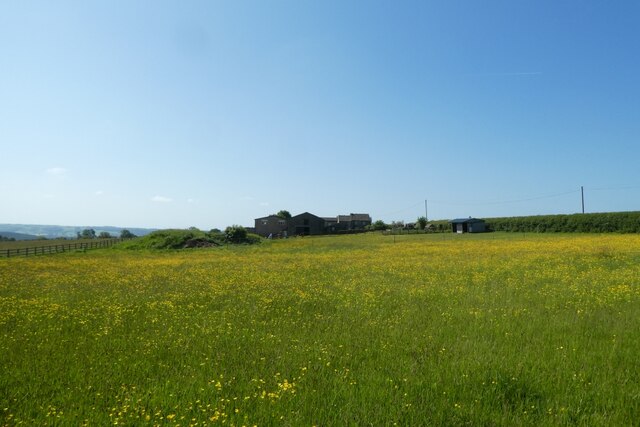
column 206, row 114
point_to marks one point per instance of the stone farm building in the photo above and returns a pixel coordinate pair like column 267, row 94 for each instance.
column 271, row 224
column 309, row 224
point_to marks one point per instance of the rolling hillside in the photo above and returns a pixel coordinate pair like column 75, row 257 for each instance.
column 17, row 236
column 64, row 231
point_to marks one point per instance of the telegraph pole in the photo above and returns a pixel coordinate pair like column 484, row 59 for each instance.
column 582, row 193
column 426, row 215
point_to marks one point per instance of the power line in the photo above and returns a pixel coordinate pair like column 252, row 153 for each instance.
column 402, row 210
column 505, row 202
column 501, row 202
column 632, row 187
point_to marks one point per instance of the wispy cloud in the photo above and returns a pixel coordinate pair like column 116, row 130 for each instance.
column 56, row 171
column 161, row 199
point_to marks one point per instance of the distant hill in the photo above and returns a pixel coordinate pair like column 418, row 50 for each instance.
column 17, row 236
column 64, row 231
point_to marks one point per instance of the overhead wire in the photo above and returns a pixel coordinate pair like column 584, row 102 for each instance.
column 500, row 202
column 631, row 187
column 403, row 210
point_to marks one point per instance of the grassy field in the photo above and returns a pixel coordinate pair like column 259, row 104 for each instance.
column 353, row 330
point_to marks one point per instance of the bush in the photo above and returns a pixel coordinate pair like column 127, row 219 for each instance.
column 379, row 225
column 164, row 239
column 252, row 238
column 235, row 234
column 192, row 238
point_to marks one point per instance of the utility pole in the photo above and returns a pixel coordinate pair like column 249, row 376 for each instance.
column 582, row 193
column 426, row 215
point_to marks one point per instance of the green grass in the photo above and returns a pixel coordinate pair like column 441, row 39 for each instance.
column 353, row 330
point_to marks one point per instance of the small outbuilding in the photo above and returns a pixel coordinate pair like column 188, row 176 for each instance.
column 468, row 225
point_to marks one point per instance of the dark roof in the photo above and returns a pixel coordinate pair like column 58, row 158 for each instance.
column 354, row 217
column 269, row 217
column 306, row 214
column 360, row 217
column 465, row 220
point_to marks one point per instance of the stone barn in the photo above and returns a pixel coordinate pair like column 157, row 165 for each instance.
column 305, row 224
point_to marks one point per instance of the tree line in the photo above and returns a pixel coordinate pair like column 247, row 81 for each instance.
column 90, row 233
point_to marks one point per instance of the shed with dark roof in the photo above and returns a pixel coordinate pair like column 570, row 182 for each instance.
column 468, row 225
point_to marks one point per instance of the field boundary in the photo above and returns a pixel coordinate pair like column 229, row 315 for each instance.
column 58, row 248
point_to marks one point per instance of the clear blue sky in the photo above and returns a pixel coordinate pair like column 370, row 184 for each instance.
column 177, row 114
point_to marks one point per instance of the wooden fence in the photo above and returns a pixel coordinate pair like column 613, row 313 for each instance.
column 53, row 249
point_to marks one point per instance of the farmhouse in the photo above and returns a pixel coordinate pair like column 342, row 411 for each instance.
column 270, row 225
column 353, row 221
column 358, row 221
column 467, row 225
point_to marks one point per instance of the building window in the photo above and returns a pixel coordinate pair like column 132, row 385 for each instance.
column 282, row 222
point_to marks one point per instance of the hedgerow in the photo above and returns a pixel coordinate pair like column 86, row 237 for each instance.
column 610, row 222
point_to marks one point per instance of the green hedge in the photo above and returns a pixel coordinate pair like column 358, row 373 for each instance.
column 612, row 222
column 178, row 239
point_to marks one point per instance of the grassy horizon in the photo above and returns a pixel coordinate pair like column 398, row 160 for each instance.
column 356, row 330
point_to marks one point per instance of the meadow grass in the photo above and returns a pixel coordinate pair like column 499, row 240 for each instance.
column 353, row 330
